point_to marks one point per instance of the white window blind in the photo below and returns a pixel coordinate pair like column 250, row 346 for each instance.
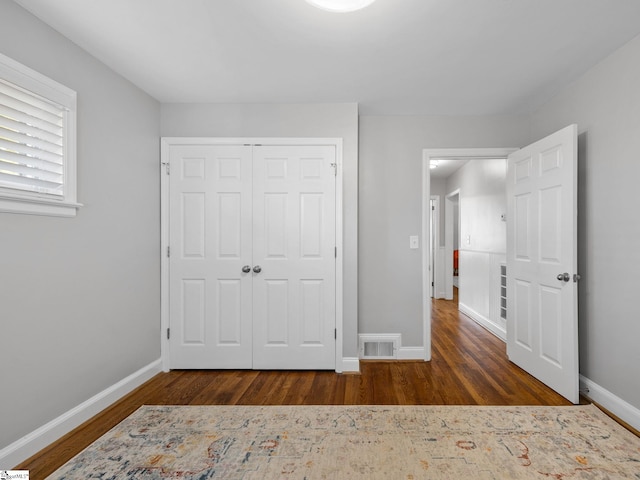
column 37, row 143
column 31, row 141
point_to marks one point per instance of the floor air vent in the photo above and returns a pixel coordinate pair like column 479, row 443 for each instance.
column 379, row 347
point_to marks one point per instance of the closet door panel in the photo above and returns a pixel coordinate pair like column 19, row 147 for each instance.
column 294, row 246
column 210, row 299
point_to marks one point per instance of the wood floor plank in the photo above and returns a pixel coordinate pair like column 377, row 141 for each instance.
column 469, row 366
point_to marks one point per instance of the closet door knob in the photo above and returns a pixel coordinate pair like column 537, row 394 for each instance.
column 246, row 269
column 257, row 269
column 564, row 277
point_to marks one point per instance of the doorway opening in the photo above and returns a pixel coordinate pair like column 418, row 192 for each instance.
column 541, row 327
column 443, row 270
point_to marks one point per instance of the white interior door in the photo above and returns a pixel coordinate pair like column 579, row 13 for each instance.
column 294, row 306
column 542, row 326
column 432, row 247
column 210, row 297
column 252, row 267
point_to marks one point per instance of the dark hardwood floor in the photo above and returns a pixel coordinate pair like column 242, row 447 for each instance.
column 468, row 367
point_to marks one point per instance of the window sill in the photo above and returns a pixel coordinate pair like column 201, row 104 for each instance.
column 38, row 206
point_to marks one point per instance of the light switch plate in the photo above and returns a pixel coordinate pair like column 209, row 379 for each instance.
column 414, row 242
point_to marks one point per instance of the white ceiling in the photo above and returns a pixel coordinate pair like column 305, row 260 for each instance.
column 438, row 57
column 446, row 168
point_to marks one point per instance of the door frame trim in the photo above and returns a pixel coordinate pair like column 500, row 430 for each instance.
column 434, row 248
column 448, row 241
column 429, row 154
column 165, row 144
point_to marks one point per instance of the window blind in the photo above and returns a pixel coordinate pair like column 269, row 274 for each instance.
column 31, row 141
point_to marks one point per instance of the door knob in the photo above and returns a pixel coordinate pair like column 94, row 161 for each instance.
column 564, row 277
column 257, row 269
column 246, row 269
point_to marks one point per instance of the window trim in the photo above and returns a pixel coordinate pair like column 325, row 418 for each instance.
column 17, row 201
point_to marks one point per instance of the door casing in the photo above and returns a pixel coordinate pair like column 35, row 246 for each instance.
column 433, row 241
column 165, row 143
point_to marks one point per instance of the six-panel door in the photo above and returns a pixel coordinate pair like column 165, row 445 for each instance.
column 294, row 245
column 210, row 298
column 252, row 265
column 542, row 326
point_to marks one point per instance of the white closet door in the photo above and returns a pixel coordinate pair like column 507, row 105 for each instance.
column 210, row 240
column 294, row 304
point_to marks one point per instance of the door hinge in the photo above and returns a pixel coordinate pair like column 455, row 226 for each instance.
column 168, row 251
column 335, row 252
column 168, row 333
column 335, row 333
column 167, row 168
column 335, row 169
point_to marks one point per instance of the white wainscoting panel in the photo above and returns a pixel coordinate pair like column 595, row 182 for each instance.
column 479, row 293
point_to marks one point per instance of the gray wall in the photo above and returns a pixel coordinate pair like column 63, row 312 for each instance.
column 80, row 297
column 390, row 278
column 605, row 103
column 295, row 120
column 482, row 199
column 483, row 238
column 439, row 189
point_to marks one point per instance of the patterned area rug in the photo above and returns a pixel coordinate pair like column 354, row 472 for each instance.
column 361, row 442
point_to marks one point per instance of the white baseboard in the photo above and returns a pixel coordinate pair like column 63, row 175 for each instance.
column 625, row 411
column 411, row 353
column 498, row 331
column 350, row 365
column 40, row 438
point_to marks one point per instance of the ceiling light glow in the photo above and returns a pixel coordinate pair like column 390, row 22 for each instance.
column 340, row 6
